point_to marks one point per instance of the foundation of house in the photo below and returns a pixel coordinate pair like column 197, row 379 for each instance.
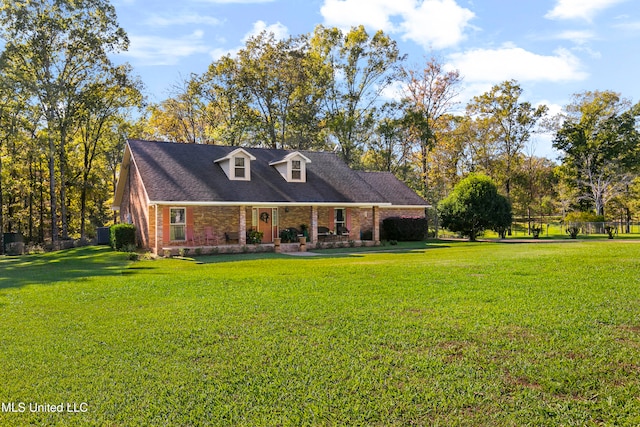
column 260, row 248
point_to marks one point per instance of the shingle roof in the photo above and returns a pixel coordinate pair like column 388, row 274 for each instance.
column 187, row 173
column 395, row 191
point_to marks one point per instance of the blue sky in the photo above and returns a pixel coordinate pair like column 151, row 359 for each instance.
column 553, row 48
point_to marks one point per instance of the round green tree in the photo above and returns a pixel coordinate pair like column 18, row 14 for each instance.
column 475, row 205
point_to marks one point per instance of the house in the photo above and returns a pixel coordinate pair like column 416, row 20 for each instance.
column 190, row 195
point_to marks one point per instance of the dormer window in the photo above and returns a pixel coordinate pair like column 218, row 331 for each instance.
column 296, row 170
column 237, row 165
column 293, row 167
column 239, row 172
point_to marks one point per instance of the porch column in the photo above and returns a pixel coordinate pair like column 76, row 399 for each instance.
column 376, row 225
column 314, row 224
column 242, row 228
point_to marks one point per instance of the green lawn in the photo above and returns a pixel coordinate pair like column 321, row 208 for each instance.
column 452, row 333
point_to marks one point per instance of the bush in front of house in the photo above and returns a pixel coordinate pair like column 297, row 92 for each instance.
column 123, row 236
column 405, row 229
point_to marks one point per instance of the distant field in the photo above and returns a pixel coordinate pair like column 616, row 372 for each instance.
column 447, row 333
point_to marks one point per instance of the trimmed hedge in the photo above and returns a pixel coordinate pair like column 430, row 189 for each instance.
column 405, row 229
column 122, row 236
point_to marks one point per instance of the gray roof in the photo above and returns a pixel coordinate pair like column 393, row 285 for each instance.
column 179, row 172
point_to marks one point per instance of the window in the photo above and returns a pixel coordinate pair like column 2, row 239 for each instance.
column 296, row 170
column 239, row 171
column 340, row 220
column 177, row 225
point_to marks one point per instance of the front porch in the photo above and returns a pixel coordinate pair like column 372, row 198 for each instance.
column 172, row 251
column 237, row 229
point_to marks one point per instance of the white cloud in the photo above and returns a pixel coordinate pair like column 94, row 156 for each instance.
column 188, row 19
column 629, row 26
column 436, row 24
column 374, row 14
column 577, row 37
column 579, row 9
column 155, row 50
column 509, row 62
column 218, row 53
column 430, row 23
column 280, row 31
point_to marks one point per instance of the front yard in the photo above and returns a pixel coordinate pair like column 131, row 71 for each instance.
column 448, row 333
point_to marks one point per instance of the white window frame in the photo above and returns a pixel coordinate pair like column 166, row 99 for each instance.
column 300, row 170
column 173, row 226
column 242, row 167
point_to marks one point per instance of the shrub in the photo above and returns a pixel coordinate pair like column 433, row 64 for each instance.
column 535, row 231
column 122, row 235
column 405, row 229
column 34, row 249
column 573, row 217
column 475, row 205
column 289, row 235
column 255, row 237
column 610, row 230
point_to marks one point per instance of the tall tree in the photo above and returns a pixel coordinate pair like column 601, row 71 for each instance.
column 429, row 94
column 229, row 115
column 11, row 105
column 57, row 47
column 362, row 66
column 105, row 103
column 600, row 143
column 510, row 123
column 281, row 77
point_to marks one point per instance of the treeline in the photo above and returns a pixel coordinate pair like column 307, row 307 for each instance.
column 64, row 116
column 66, row 111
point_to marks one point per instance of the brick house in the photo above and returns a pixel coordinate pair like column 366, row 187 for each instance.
column 190, row 195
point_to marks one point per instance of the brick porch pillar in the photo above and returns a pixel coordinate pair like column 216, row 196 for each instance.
column 242, row 227
column 376, row 225
column 314, row 224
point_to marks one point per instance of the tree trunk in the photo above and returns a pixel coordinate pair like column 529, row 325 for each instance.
column 52, row 192
column 1, row 212
column 63, row 189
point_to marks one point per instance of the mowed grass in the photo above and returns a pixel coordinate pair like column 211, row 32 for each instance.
column 450, row 334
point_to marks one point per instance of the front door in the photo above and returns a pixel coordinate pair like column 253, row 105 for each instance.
column 267, row 223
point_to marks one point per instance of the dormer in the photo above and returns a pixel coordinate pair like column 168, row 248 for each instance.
column 237, row 165
column 293, row 167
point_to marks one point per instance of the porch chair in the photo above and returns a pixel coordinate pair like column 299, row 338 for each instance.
column 191, row 238
column 209, row 236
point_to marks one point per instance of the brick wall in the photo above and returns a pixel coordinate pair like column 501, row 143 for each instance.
column 296, row 216
column 134, row 207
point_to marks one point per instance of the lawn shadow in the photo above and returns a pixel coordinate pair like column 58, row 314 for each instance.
column 61, row 266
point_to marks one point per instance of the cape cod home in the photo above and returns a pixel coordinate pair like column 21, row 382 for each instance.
column 189, row 195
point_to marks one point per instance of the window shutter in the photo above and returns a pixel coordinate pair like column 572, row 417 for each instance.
column 166, row 220
column 190, row 222
column 332, row 219
column 348, row 218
